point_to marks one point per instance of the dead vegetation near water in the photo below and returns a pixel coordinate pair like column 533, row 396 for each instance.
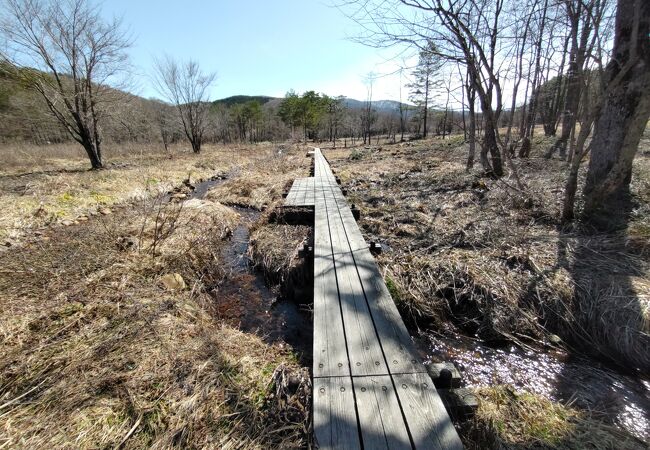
column 519, row 420
column 470, row 254
column 274, row 250
column 493, row 260
column 116, row 329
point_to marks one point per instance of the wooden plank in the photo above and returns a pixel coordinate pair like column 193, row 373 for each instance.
column 335, row 421
column 396, row 342
column 355, row 237
column 329, row 346
column 301, row 193
column 427, row 419
column 380, row 418
column 364, row 350
column 395, row 339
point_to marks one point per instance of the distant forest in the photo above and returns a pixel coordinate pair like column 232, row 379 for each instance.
column 24, row 117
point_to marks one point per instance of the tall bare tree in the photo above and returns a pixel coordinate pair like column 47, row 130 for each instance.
column 625, row 112
column 186, row 87
column 367, row 116
column 65, row 51
column 165, row 120
column 585, row 17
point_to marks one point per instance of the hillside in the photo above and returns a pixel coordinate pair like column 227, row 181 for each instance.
column 350, row 103
column 239, row 99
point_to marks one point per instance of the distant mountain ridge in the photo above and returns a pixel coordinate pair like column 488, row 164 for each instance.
column 379, row 105
column 237, row 99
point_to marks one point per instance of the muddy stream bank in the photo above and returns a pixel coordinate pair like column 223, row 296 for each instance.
column 619, row 399
column 245, row 300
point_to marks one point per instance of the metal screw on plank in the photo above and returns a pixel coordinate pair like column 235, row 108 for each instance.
column 355, row 212
column 375, row 248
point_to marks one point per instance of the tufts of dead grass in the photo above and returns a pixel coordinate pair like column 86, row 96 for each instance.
column 492, row 260
column 274, row 251
column 507, row 419
column 261, row 181
column 96, row 352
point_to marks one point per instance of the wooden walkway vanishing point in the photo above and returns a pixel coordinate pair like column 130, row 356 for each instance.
column 371, row 390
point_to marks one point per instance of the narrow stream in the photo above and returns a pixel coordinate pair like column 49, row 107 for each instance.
column 623, row 400
column 245, row 301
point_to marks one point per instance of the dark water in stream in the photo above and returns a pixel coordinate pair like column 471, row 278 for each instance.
column 245, row 301
column 623, row 400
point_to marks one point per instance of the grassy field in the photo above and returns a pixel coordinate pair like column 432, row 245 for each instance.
column 116, row 319
column 116, row 327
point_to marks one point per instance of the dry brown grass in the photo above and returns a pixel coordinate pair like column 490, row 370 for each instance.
column 35, row 196
column 513, row 420
column 21, row 156
column 493, row 259
column 262, row 180
column 274, row 251
column 96, row 352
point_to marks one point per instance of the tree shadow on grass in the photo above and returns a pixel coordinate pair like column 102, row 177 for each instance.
column 607, row 319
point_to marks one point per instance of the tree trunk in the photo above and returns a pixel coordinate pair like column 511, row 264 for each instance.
column 625, row 111
column 471, row 137
column 524, row 150
column 573, row 87
column 571, row 185
column 93, row 150
column 571, row 102
column 490, row 145
column 196, row 145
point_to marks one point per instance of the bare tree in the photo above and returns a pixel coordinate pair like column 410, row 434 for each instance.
column 367, row 116
column 163, row 116
column 471, row 132
column 65, row 51
column 186, row 87
column 625, row 111
column 585, row 19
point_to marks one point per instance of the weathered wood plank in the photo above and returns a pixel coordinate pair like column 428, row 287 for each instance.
column 395, row 339
column 329, row 346
column 335, row 420
column 301, row 193
column 427, row 419
column 380, row 417
column 364, row 349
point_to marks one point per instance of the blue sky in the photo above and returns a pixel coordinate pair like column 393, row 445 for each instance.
column 257, row 47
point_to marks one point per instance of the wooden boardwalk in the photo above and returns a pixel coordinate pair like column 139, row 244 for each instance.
column 370, row 388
